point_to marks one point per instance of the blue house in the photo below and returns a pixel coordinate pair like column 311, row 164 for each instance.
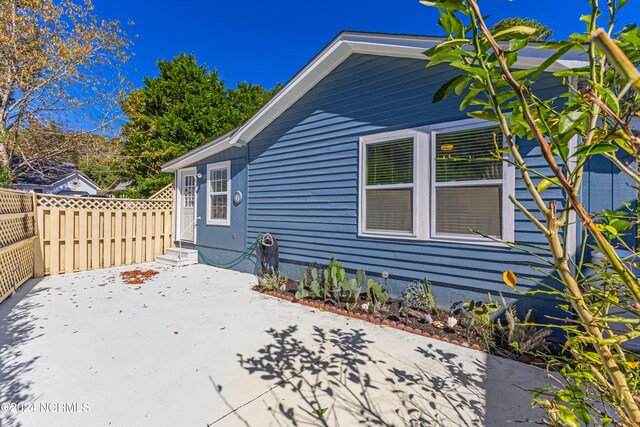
column 349, row 159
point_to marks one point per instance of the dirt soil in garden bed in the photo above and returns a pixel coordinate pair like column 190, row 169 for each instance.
column 393, row 313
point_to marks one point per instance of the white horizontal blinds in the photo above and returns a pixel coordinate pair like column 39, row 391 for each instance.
column 218, row 193
column 462, row 209
column 390, row 210
column 389, row 186
column 390, row 162
column 466, row 155
column 468, row 183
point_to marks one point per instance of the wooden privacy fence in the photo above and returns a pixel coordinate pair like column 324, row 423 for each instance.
column 18, row 240
column 84, row 233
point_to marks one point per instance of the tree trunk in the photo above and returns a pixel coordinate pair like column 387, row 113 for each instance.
column 5, row 158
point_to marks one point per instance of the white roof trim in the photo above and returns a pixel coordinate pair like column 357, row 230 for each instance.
column 82, row 176
column 330, row 57
column 202, row 152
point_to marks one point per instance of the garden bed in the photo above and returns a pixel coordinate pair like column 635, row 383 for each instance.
column 410, row 320
column 472, row 324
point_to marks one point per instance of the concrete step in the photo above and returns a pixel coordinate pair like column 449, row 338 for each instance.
column 184, row 254
column 174, row 260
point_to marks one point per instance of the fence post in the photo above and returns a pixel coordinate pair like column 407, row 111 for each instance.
column 38, row 261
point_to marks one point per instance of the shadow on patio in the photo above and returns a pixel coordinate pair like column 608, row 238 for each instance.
column 17, row 326
column 342, row 379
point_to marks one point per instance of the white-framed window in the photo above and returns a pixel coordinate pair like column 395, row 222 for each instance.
column 439, row 182
column 388, row 191
column 469, row 187
column 219, row 193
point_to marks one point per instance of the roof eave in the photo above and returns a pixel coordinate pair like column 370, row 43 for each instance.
column 209, row 149
column 372, row 44
column 343, row 45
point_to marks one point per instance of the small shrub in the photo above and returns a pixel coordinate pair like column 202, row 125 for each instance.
column 270, row 281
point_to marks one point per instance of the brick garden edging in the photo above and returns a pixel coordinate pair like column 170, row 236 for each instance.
column 368, row 318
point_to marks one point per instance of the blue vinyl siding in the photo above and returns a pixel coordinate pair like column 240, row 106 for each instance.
column 221, row 243
column 300, row 180
column 303, row 177
column 606, row 187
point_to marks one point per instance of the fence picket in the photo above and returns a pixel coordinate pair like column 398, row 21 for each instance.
column 138, row 237
column 106, row 240
column 54, row 242
column 69, row 242
column 117, row 238
column 128, row 246
column 83, row 244
column 148, row 241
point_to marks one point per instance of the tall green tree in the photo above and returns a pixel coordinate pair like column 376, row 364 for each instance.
column 185, row 106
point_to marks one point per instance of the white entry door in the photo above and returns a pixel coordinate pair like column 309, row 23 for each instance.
column 187, row 205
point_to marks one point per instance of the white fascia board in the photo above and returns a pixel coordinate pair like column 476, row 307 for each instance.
column 348, row 43
column 406, row 47
column 308, row 77
column 197, row 154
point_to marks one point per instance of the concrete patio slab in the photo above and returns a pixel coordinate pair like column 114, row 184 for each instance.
column 194, row 346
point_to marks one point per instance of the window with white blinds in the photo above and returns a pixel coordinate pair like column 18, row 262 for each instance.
column 439, row 182
column 388, row 193
column 218, row 193
column 467, row 192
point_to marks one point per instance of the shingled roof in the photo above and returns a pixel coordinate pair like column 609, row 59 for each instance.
column 44, row 172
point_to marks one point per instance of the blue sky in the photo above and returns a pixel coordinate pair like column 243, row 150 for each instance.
column 269, row 41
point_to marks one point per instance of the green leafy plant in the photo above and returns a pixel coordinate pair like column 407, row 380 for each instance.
column 315, row 287
column 270, row 281
column 303, row 285
column 361, row 277
column 482, row 311
column 334, row 277
column 350, row 292
column 376, row 292
column 184, row 104
column 420, row 294
column 6, row 176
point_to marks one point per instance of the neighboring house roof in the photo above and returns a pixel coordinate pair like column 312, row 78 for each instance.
column 342, row 46
column 49, row 172
column 119, row 185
